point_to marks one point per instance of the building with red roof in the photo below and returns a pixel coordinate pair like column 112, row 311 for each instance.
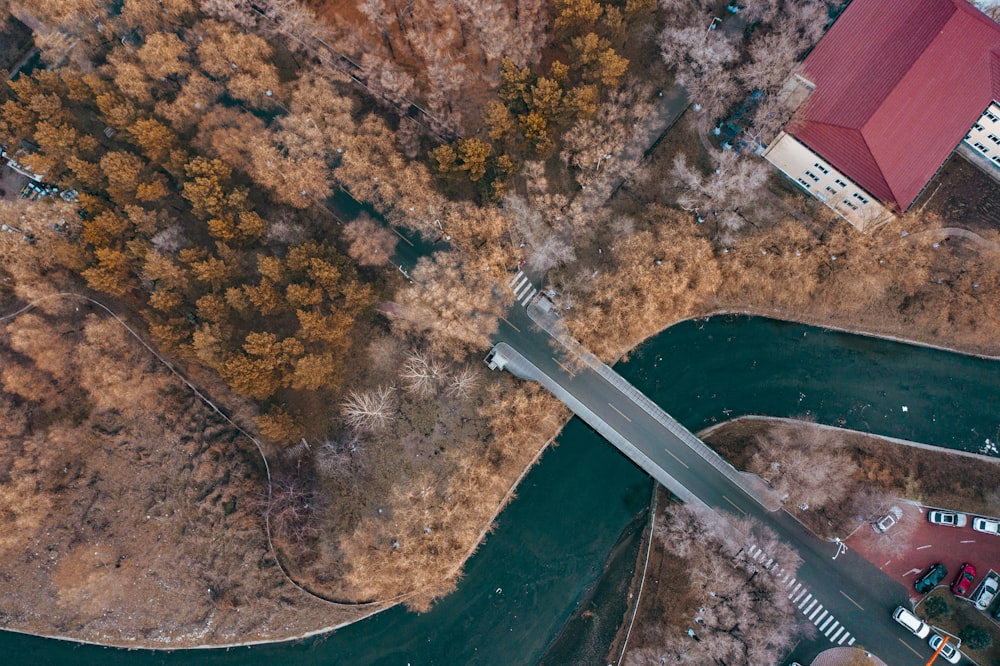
column 893, row 88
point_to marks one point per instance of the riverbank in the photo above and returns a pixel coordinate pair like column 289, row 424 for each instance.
column 931, row 475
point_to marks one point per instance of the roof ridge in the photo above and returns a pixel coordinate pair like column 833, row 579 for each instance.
column 878, row 167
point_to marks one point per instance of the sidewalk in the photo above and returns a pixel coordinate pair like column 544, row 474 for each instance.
column 842, row 657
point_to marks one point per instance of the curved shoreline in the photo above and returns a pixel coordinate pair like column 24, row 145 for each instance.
column 387, row 604
column 823, row 426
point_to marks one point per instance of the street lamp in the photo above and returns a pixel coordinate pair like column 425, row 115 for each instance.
column 602, row 157
column 711, row 26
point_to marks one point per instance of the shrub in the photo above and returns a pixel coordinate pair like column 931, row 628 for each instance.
column 936, row 608
column 975, row 638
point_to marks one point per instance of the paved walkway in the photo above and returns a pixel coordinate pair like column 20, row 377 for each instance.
column 921, row 544
column 842, row 657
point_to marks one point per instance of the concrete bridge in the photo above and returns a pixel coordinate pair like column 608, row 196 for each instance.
column 624, row 416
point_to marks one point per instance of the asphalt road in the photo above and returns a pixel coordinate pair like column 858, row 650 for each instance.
column 849, row 589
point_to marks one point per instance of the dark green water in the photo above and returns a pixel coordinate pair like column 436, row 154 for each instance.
column 551, row 542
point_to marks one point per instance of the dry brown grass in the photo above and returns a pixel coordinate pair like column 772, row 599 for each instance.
column 932, row 477
column 408, row 504
column 128, row 505
column 893, row 282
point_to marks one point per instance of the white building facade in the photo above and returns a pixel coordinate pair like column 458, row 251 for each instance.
column 820, row 179
column 984, row 136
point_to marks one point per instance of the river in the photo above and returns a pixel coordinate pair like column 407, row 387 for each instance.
column 551, row 542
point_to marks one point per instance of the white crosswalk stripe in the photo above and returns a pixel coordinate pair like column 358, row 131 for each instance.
column 832, row 628
column 819, row 618
column 805, row 601
column 844, row 638
column 850, row 642
column 523, row 290
column 815, row 612
column 828, row 621
column 839, row 632
column 807, row 609
column 797, row 586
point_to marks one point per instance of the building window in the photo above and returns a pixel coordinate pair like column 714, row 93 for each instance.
column 804, row 184
column 840, row 182
column 996, row 159
column 850, row 205
column 994, row 139
column 830, row 190
column 822, row 169
column 813, row 177
column 981, row 148
column 992, row 116
column 978, row 127
column 860, row 198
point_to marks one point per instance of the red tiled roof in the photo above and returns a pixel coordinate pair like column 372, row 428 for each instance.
column 898, row 85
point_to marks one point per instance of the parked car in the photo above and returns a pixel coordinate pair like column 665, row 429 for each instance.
column 949, row 652
column 986, row 593
column 986, row 525
column 888, row 520
column 911, row 622
column 948, row 518
column 963, row 581
column 929, row 580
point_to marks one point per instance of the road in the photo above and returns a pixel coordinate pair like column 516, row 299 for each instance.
column 849, row 599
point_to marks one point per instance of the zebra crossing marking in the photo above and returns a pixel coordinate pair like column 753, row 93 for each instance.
column 803, row 599
column 523, row 290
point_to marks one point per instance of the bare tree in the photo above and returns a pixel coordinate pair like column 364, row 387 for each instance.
column 369, row 410
column 421, row 374
column 370, row 243
column 292, row 509
column 740, row 614
column 340, row 456
column 800, row 462
column 462, row 383
column 700, row 57
column 723, row 196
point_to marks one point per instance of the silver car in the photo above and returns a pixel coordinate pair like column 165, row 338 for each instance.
column 986, row 526
column 948, row 518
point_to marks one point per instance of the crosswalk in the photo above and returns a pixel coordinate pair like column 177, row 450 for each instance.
column 523, row 290
column 803, row 600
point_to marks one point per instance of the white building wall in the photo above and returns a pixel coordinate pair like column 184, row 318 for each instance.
column 984, row 137
column 817, row 177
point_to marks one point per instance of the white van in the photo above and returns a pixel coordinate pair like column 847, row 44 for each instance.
column 911, row 622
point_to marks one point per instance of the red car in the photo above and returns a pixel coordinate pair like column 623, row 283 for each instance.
column 963, row 581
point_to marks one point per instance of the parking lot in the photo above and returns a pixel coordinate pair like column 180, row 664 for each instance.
column 917, row 544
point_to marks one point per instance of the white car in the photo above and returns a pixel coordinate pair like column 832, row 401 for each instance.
column 950, row 651
column 986, row 593
column 911, row 622
column 949, row 518
column 986, row 526
column 888, row 520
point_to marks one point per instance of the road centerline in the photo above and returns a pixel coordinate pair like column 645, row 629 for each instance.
column 561, row 365
column 909, row 648
column 622, row 414
column 860, row 607
column 504, row 320
column 737, row 506
column 676, row 458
